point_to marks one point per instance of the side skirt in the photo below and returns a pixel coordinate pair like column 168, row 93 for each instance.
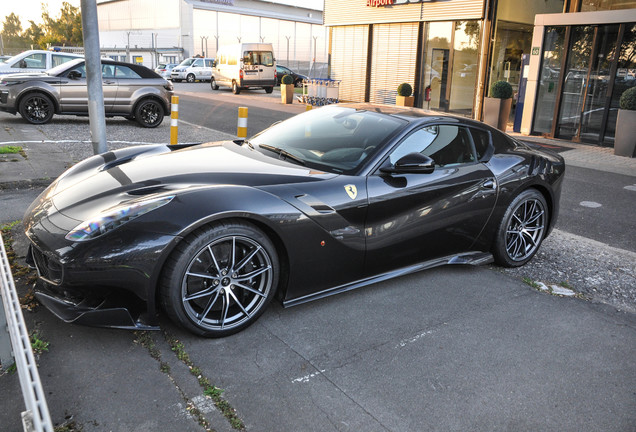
column 468, row 258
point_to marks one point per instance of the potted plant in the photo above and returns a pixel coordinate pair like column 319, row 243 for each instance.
column 404, row 97
column 497, row 106
column 287, row 89
column 625, row 137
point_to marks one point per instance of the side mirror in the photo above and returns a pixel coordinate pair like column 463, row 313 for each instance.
column 74, row 75
column 213, row 63
column 412, row 163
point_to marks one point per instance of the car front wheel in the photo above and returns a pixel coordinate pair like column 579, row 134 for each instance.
column 219, row 280
column 190, row 78
column 36, row 108
column 213, row 84
column 235, row 88
column 149, row 113
column 522, row 229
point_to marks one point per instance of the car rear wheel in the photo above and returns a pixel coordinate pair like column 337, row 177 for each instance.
column 149, row 113
column 269, row 89
column 213, row 84
column 220, row 280
column 522, row 229
column 36, row 108
column 190, row 78
column 235, row 88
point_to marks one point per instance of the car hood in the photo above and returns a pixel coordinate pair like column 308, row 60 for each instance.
column 109, row 179
column 26, row 76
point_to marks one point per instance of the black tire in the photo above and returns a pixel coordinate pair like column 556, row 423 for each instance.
column 36, row 108
column 522, row 229
column 213, row 85
column 149, row 113
column 176, row 80
column 206, row 286
column 268, row 90
column 190, row 78
column 235, row 88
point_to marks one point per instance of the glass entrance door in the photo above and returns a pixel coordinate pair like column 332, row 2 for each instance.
column 584, row 98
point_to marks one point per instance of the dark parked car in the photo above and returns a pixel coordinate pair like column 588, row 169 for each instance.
column 281, row 71
column 130, row 90
column 328, row 201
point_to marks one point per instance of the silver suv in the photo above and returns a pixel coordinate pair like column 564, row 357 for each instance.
column 132, row 91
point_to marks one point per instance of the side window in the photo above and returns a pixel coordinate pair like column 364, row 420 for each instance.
column 58, row 59
column 34, row 61
column 208, row 63
column 125, row 72
column 108, row 71
column 445, row 144
column 481, row 139
column 231, row 60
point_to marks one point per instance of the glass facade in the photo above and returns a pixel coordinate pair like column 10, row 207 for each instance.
column 600, row 5
column 451, row 65
column 553, row 51
column 599, row 67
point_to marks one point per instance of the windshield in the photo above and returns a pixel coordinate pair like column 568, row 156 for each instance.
column 333, row 138
column 187, row 62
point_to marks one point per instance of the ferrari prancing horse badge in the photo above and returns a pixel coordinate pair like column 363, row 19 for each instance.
column 352, row 191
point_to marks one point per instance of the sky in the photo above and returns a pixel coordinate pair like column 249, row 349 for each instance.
column 32, row 10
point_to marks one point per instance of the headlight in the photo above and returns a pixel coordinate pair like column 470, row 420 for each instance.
column 114, row 218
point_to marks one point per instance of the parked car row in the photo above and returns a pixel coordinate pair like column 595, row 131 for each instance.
column 130, row 90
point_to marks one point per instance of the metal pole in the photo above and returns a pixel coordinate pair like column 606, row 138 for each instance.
column 96, row 112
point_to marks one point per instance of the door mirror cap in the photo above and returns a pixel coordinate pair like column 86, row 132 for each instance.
column 74, row 75
column 412, row 163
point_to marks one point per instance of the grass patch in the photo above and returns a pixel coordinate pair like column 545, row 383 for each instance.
column 209, row 390
column 10, row 149
column 38, row 345
column 530, row 282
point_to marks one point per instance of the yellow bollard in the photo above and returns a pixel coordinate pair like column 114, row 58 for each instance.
column 174, row 118
column 308, row 107
column 241, row 130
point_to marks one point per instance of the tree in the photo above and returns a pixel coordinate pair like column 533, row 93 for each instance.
column 65, row 30
column 12, row 32
column 33, row 35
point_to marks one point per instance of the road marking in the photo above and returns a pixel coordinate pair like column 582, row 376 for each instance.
column 631, row 187
column 590, row 204
column 405, row 342
column 306, row 378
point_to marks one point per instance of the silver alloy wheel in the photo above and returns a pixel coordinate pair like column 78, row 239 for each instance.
column 525, row 229
column 226, row 283
column 190, row 78
column 37, row 109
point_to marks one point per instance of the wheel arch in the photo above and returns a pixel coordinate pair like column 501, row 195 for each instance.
column 154, row 97
column 229, row 217
column 49, row 94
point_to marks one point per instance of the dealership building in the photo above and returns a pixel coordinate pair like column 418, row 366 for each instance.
column 581, row 55
column 167, row 31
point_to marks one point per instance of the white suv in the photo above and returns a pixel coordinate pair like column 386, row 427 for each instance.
column 193, row 69
column 35, row 61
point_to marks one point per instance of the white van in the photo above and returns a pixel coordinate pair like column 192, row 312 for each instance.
column 35, row 61
column 243, row 66
column 192, row 69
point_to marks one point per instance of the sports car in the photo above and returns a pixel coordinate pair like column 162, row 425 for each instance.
column 330, row 200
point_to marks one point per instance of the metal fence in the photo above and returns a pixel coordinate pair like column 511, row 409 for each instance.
column 36, row 417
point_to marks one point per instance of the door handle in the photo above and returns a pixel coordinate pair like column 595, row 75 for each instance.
column 109, row 82
column 489, row 184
